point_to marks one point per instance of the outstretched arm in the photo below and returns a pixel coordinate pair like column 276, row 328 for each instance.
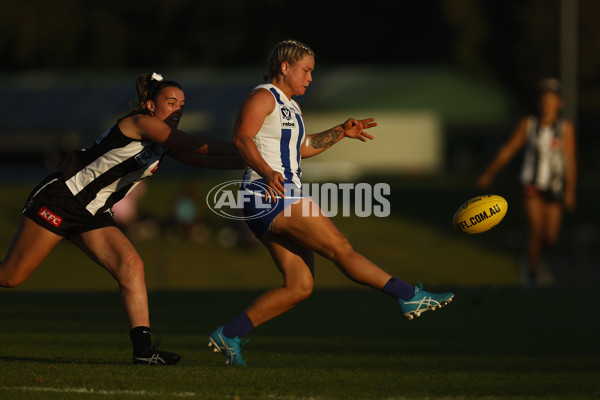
column 151, row 128
column 201, row 144
column 352, row 128
column 208, row 161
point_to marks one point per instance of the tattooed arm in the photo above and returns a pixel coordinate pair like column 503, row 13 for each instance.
column 352, row 128
column 319, row 142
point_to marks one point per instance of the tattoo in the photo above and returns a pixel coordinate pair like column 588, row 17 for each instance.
column 325, row 139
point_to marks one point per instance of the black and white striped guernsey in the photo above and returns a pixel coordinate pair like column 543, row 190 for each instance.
column 544, row 159
column 104, row 173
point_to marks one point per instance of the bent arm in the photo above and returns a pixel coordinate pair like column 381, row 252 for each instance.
column 505, row 154
column 319, row 142
column 251, row 117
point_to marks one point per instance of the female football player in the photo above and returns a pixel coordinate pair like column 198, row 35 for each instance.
column 76, row 202
column 548, row 174
column 271, row 138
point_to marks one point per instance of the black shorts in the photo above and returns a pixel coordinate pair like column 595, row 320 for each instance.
column 52, row 206
column 547, row 195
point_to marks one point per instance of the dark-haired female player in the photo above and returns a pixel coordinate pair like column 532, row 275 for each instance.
column 75, row 203
column 548, row 175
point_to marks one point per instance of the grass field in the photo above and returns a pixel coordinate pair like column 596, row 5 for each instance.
column 340, row 344
column 63, row 334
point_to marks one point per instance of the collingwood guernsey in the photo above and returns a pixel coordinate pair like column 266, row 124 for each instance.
column 104, row 173
column 544, row 161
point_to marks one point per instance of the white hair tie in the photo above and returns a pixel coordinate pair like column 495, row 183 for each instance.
column 156, row 77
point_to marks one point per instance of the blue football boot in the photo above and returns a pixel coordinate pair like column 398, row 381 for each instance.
column 230, row 348
column 423, row 301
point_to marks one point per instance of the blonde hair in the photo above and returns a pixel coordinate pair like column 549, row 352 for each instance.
column 290, row 51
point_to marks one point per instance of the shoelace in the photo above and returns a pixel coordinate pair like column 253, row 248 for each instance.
column 243, row 342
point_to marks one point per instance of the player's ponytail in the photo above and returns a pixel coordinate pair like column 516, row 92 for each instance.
column 290, row 51
column 148, row 86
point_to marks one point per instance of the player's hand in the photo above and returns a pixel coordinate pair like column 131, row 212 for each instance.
column 274, row 181
column 354, row 128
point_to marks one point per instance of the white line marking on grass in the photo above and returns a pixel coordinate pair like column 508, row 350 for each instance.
column 95, row 391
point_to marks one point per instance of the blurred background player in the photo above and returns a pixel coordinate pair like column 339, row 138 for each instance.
column 271, row 138
column 76, row 202
column 548, row 175
column 136, row 225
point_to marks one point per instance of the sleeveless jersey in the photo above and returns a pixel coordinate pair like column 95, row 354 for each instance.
column 279, row 139
column 544, row 161
column 104, row 173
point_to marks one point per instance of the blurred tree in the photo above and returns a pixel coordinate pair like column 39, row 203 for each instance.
column 122, row 34
column 471, row 32
column 513, row 41
column 589, row 58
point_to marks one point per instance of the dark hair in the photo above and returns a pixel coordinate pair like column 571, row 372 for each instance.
column 549, row 84
column 291, row 51
column 148, row 87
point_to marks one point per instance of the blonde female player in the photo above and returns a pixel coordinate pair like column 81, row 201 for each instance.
column 270, row 136
column 76, row 202
column 548, row 175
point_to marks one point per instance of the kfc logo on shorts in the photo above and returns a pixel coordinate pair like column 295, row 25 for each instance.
column 50, row 217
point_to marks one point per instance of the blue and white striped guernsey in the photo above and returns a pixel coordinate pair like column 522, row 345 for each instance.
column 280, row 138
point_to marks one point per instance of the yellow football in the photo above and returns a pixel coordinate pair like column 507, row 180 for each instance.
column 480, row 214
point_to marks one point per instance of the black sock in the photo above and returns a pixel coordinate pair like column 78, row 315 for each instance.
column 140, row 338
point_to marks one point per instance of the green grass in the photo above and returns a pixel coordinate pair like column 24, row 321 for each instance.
column 340, row 344
column 63, row 334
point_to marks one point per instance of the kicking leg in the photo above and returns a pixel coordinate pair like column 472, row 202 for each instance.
column 316, row 232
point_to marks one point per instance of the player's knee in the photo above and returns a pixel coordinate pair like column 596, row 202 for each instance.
column 304, row 290
column 9, row 281
column 339, row 249
column 131, row 270
column 8, row 284
column 300, row 289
